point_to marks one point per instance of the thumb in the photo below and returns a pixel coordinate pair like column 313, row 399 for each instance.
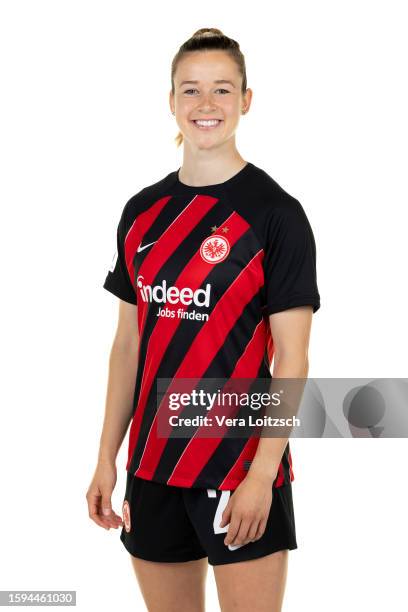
column 106, row 505
column 226, row 516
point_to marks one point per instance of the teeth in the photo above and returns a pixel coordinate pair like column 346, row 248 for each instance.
column 207, row 123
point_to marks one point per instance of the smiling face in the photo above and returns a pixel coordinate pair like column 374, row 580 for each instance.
column 207, row 86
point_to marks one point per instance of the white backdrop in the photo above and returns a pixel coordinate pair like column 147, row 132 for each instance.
column 85, row 125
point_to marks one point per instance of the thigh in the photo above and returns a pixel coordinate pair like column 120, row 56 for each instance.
column 257, row 585
column 172, row 587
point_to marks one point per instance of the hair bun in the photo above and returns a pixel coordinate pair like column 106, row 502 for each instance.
column 207, row 32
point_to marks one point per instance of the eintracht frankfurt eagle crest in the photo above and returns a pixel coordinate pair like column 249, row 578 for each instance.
column 214, row 249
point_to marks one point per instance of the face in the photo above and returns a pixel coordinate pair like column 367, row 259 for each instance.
column 208, row 86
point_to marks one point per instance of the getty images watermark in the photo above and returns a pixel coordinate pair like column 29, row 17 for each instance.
column 282, row 407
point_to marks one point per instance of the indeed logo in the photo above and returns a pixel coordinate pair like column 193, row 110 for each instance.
column 173, row 295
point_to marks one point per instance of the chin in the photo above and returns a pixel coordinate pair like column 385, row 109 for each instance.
column 209, row 144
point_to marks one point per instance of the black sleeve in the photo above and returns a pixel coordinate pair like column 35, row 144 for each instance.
column 290, row 260
column 118, row 280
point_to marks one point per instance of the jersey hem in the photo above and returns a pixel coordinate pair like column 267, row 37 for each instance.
column 118, row 293
column 305, row 300
column 186, row 483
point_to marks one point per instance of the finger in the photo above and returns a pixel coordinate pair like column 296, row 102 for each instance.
column 96, row 517
column 232, row 531
column 253, row 529
column 113, row 517
column 106, row 509
column 106, row 505
column 93, row 510
column 261, row 529
column 241, row 536
column 113, row 520
column 226, row 515
column 94, row 506
column 258, row 533
column 117, row 520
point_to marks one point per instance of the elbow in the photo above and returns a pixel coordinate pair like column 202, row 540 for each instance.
column 124, row 346
column 296, row 362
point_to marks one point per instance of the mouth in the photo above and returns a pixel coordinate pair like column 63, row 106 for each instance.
column 206, row 125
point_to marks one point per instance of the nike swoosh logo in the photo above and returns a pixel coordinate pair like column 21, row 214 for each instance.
column 139, row 248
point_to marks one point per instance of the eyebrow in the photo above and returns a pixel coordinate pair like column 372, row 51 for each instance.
column 217, row 81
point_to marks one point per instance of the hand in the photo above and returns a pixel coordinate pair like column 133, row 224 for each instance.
column 247, row 510
column 99, row 497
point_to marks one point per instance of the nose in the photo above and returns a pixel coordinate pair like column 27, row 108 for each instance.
column 207, row 103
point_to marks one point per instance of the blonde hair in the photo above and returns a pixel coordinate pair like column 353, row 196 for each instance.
column 207, row 39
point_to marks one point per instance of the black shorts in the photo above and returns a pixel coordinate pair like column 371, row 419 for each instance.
column 172, row 524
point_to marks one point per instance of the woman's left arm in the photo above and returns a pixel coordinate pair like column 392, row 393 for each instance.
column 248, row 508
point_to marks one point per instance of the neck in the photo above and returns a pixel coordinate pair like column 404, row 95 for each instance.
column 200, row 169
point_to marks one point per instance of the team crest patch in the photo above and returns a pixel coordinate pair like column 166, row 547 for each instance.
column 214, row 249
column 126, row 515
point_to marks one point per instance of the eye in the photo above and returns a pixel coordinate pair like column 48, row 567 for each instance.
column 187, row 91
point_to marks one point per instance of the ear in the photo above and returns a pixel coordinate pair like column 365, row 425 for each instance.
column 171, row 102
column 247, row 97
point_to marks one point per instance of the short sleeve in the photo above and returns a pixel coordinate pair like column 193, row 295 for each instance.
column 118, row 280
column 290, row 260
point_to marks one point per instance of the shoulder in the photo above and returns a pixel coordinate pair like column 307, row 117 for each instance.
column 271, row 196
column 266, row 205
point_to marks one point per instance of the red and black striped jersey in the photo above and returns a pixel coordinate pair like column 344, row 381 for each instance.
column 206, row 267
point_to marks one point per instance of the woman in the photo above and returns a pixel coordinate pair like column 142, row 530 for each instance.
column 216, row 274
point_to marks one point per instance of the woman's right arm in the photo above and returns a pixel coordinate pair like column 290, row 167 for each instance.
column 118, row 413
